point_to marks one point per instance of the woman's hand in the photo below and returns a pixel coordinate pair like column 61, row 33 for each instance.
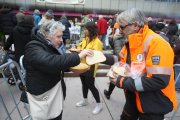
column 85, row 52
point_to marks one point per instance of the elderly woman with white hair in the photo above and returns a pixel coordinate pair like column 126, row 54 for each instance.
column 45, row 64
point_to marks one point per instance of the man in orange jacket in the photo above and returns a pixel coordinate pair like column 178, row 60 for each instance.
column 149, row 81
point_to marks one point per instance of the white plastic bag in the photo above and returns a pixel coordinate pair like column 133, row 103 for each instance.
column 119, row 68
column 137, row 69
column 107, row 40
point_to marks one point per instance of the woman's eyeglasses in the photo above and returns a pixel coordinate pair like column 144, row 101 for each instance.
column 124, row 27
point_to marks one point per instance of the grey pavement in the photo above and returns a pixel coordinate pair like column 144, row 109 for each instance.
column 111, row 108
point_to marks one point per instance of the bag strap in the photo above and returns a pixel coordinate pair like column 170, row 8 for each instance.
column 128, row 59
column 63, row 85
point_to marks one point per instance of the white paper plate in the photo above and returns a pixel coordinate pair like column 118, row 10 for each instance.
column 96, row 58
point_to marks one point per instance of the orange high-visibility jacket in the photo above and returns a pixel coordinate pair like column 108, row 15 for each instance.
column 116, row 26
column 155, row 90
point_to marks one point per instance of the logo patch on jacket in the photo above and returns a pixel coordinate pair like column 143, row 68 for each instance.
column 140, row 57
column 155, row 60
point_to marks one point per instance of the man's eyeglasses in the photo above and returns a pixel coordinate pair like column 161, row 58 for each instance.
column 124, row 27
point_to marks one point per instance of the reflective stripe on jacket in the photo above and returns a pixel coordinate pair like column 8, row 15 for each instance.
column 155, row 91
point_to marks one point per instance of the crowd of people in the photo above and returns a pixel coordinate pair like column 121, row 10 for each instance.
column 146, row 48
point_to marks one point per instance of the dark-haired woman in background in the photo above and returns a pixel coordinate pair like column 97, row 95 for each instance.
column 91, row 41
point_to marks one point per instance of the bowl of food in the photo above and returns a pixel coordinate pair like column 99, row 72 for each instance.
column 81, row 68
column 75, row 50
column 114, row 72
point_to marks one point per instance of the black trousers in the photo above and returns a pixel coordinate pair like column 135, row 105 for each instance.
column 111, row 88
column 151, row 117
column 130, row 111
column 144, row 117
column 88, row 84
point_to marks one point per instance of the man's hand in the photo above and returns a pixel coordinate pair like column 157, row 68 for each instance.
column 113, row 76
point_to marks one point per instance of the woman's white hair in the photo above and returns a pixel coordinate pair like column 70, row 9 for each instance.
column 131, row 16
column 49, row 27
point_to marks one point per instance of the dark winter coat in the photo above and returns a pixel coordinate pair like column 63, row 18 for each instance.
column 20, row 36
column 172, row 31
column 177, row 52
column 66, row 32
column 7, row 21
column 45, row 65
column 173, row 40
column 118, row 44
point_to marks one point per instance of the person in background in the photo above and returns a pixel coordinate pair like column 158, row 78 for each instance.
column 161, row 30
column 85, row 19
column 91, row 41
column 151, row 23
column 19, row 14
column 119, row 41
column 74, row 31
column 110, row 22
column 177, row 61
column 102, row 29
column 172, row 32
column 37, row 19
column 148, row 82
column 66, row 32
column 45, row 65
column 7, row 19
column 91, row 19
column 108, row 92
column 48, row 16
column 115, row 26
column 20, row 36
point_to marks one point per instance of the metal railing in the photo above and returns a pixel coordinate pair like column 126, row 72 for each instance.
column 12, row 65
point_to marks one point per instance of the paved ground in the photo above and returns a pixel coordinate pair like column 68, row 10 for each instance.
column 111, row 108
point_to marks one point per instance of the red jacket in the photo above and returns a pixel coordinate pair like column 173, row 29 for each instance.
column 102, row 26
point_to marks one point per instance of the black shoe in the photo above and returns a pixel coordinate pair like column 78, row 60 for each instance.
column 23, row 97
column 106, row 94
column 178, row 90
